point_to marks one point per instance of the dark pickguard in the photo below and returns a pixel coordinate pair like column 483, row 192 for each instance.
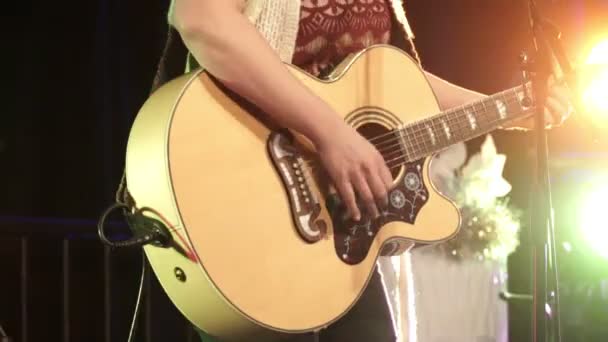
column 353, row 239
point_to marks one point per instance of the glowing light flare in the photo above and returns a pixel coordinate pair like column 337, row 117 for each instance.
column 595, row 80
column 592, row 220
column 599, row 54
column 595, row 95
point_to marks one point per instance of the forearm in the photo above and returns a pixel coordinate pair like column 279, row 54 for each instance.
column 450, row 95
column 232, row 50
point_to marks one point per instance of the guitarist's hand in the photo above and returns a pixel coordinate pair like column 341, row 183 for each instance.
column 356, row 168
column 557, row 109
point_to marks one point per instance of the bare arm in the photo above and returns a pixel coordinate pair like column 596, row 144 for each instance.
column 451, row 95
column 223, row 40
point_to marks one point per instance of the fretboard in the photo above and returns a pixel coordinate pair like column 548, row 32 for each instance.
column 431, row 135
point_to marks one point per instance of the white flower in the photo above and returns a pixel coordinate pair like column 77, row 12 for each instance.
column 445, row 166
column 482, row 176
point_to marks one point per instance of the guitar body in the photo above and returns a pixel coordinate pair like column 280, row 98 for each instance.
column 247, row 266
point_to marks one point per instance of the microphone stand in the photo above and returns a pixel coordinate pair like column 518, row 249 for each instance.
column 3, row 336
column 548, row 58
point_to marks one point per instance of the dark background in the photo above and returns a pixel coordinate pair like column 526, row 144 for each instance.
column 76, row 73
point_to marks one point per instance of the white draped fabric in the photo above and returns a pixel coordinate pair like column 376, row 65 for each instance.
column 436, row 299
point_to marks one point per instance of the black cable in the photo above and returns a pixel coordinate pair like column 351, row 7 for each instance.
column 146, row 230
column 139, row 295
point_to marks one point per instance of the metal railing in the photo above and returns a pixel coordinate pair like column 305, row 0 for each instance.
column 59, row 283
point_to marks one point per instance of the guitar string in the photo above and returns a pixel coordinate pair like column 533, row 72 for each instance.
column 419, row 133
column 503, row 94
column 455, row 123
column 313, row 168
column 420, row 139
column 414, row 130
column 403, row 159
column 462, row 131
column 422, row 149
column 515, row 90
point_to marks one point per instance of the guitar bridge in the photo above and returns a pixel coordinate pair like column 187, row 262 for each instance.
column 295, row 175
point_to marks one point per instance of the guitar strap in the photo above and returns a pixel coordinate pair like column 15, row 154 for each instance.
column 402, row 36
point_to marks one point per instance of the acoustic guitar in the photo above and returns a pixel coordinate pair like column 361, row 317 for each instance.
column 262, row 248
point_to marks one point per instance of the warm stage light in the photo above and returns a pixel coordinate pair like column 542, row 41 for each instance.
column 595, row 81
column 599, row 54
column 596, row 93
column 592, row 220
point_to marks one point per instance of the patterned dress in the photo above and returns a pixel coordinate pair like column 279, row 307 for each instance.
column 330, row 30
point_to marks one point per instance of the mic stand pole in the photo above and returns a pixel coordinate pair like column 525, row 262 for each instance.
column 545, row 289
column 3, row 336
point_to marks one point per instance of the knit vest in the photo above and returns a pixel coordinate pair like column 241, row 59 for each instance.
column 278, row 21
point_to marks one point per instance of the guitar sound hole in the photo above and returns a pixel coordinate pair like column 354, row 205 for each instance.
column 386, row 143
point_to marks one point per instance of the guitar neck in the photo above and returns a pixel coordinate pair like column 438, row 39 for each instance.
column 431, row 135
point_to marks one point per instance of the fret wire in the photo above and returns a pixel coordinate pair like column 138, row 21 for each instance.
column 457, row 124
column 418, row 134
column 424, row 141
column 490, row 115
column 420, row 140
column 460, row 122
column 436, row 136
column 428, row 136
column 465, row 125
column 416, row 129
column 422, row 148
column 433, row 124
column 476, row 133
column 403, row 143
column 487, row 118
column 433, row 128
column 504, row 100
column 442, row 135
column 440, row 115
column 475, row 112
column 409, row 137
column 515, row 94
column 497, row 110
column 444, row 139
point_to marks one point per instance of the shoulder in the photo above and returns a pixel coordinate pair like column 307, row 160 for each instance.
column 251, row 8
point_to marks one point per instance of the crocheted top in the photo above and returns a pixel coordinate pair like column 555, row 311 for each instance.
column 330, row 30
column 278, row 20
